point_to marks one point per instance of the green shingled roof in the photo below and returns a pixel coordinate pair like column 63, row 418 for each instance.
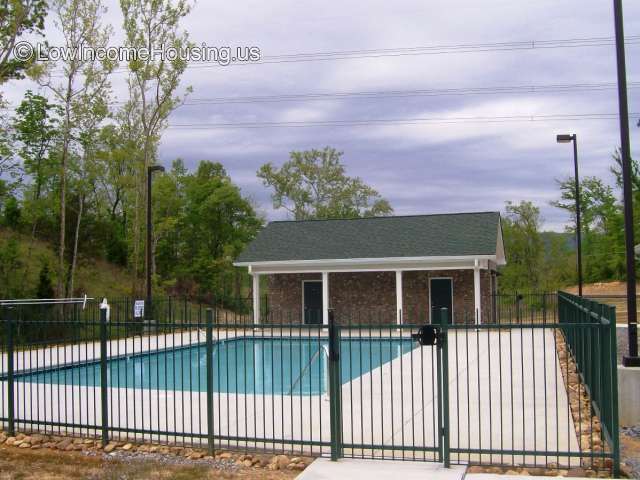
column 455, row 234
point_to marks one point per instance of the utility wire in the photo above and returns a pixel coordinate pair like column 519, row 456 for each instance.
column 417, row 50
column 504, row 90
column 518, row 89
column 400, row 121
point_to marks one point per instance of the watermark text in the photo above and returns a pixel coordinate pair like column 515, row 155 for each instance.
column 203, row 53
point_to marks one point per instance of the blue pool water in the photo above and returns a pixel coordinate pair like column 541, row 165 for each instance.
column 247, row 365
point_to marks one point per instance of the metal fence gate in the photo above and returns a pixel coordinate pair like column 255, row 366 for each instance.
column 394, row 408
column 538, row 388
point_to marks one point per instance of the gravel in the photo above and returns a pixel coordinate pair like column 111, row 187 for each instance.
column 630, row 453
column 130, row 457
column 633, row 431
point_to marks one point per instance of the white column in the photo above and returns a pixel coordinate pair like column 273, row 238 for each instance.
column 325, row 298
column 256, row 298
column 399, row 296
column 476, row 292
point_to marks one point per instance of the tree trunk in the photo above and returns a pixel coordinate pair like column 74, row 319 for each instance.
column 63, row 188
column 136, row 245
column 63, row 207
column 75, row 245
column 32, row 241
column 236, row 293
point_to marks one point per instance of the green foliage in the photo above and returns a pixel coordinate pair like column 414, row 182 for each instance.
column 153, row 94
column 18, row 18
column 616, row 170
column 202, row 223
column 11, row 282
column 12, row 213
column 10, row 170
column 536, row 261
column 314, row 184
column 602, row 227
column 524, row 247
column 45, row 285
column 36, row 130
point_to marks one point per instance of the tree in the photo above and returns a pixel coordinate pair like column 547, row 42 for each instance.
column 11, row 285
column 36, row 127
column 36, row 134
column 85, row 78
column 90, row 113
column 524, row 247
column 202, row 222
column 12, row 212
column 153, row 82
column 314, row 184
column 114, row 186
column 17, row 19
column 616, row 170
column 602, row 233
column 10, row 169
column 45, row 286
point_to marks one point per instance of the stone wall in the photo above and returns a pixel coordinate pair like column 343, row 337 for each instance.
column 370, row 298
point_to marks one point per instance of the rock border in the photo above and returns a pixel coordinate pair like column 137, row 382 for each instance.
column 222, row 459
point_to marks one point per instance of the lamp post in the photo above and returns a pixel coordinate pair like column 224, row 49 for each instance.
column 632, row 359
column 150, row 170
column 566, row 139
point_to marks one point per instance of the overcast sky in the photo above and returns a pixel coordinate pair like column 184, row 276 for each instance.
column 423, row 168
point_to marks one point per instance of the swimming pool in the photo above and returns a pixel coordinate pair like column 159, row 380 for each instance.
column 241, row 365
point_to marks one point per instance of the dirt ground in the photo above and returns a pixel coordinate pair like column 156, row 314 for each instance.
column 602, row 288
column 608, row 288
column 630, row 453
column 26, row 464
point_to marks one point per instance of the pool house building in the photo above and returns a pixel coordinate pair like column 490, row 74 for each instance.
column 376, row 270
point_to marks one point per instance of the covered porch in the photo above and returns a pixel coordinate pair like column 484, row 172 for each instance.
column 373, row 291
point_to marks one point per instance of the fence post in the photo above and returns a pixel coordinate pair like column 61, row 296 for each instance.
column 103, row 375
column 615, row 425
column 444, row 350
column 209, row 347
column 335, row 409
column 10, row 383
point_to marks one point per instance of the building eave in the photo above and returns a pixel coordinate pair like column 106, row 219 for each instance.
column 368, row 264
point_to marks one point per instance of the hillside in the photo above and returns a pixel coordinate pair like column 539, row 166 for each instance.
column 95, row 277
column 567, row 239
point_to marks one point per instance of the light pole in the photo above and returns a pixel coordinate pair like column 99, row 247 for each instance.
column 632, row 359
column 566, row 139
column 150, row 170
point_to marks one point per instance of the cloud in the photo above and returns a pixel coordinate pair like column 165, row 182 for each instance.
column 419, row 168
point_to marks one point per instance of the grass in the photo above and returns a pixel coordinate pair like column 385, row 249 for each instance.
column 44, row 464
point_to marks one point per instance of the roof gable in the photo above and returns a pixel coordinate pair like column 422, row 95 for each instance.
column 442, row 235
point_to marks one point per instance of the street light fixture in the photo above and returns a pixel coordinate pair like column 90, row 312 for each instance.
column 565, row 138
column 632, row 359
column 150, row 170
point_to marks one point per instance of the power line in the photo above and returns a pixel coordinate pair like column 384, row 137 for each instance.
column 320, row 96
column 418, row 50
column 518, row 89
column 399, row 121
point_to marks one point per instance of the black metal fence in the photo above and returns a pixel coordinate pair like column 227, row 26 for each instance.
column 531, row 388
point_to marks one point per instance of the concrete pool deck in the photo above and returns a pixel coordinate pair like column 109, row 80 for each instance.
column 349, row 468
column 505, row 392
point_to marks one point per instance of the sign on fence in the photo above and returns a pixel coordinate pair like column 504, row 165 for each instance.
column 138, row 309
